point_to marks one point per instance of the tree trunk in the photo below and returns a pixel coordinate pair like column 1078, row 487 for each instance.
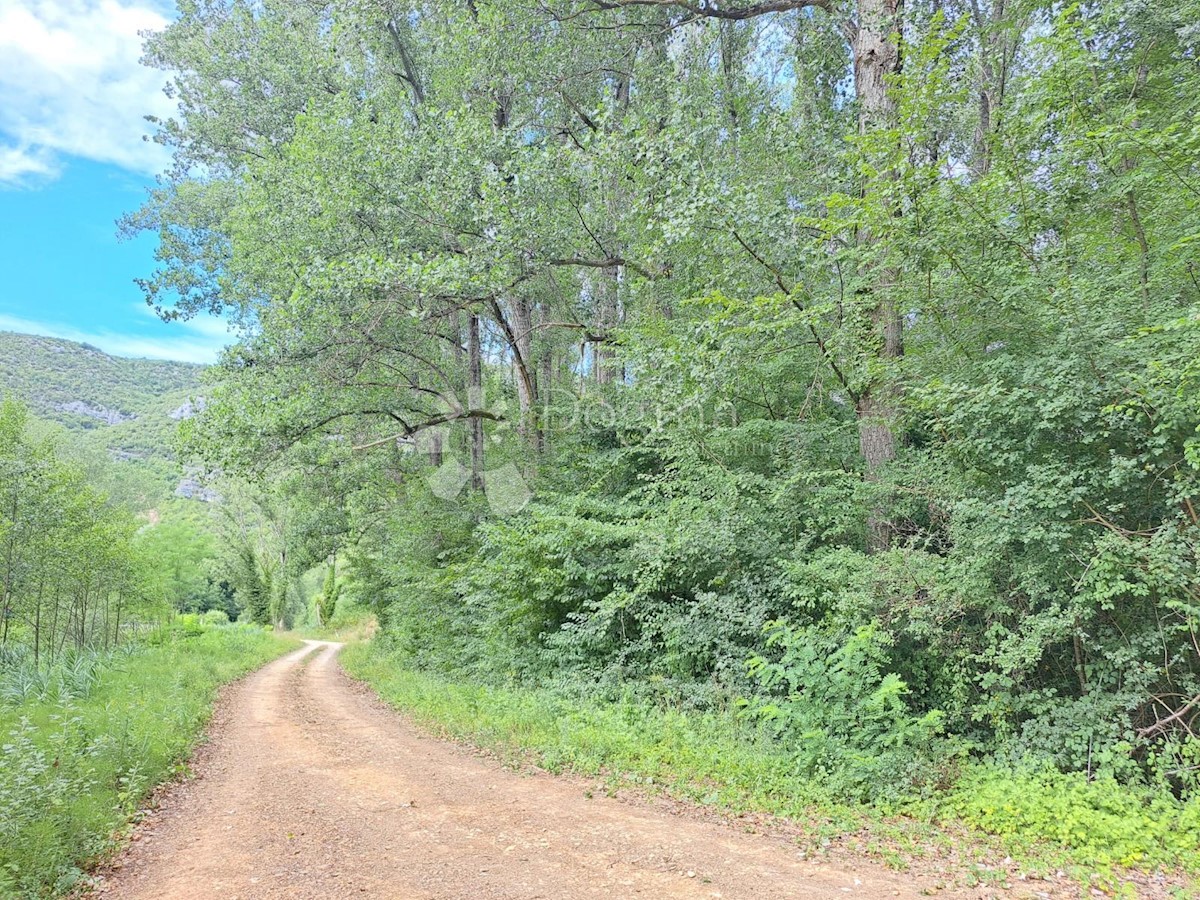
column 518, row 330
column 997, row 43
column 9, row 576
column 437, row 452
column 37, row 625
column 608, row 286
column 876, row 61
column 545, row 393
column 475, row 399
column 607, row 315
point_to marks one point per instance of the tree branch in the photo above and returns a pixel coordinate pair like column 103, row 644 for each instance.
column 711, row 10
column 410, row 70
column 610, row 262
column 410, row 430
column 1177, row 716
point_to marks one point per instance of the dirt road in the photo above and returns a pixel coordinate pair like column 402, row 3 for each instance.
column 312, row 788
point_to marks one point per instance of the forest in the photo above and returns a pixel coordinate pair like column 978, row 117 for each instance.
column 831, row 363
column 843, row 360
column 822, row 369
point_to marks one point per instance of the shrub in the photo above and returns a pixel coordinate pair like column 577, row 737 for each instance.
column 214, row 617
column 69, row 678
column 843, row 715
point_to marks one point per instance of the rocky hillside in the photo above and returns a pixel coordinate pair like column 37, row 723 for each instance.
column 115, row 409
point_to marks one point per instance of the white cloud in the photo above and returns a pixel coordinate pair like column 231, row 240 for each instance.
column 199, row 340
column 71, row 83
column 17, row 164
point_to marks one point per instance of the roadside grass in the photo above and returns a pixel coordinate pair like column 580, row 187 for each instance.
column 75, row 765
column 989, row 827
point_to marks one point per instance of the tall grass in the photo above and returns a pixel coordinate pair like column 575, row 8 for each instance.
column 83, row 742
column 71, row 677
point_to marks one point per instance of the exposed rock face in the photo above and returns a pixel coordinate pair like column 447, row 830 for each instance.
column 102, row 413
column 188, row 409
column 192, row 487
column 126, row 455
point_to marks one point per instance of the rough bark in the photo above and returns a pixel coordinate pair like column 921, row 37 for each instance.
column 608, row 290
column 607, row 316
column 437, row 452
column 545, row 392
column 475, row 399
column 515, row 319
column 877, row 61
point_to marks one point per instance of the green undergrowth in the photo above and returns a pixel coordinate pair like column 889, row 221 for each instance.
column 1099, row 823
column 75, row 765
column 1044, row 821
column 351, row 622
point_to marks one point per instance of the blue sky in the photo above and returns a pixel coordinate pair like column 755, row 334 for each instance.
column 73, row 98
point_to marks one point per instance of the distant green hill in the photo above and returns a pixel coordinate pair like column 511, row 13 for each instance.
column 117, row 415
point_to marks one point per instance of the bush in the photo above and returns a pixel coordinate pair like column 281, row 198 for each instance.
column 834, row 705
column 70, row 677
column 214, row 617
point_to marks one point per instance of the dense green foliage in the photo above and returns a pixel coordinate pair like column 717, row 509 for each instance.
column 115, row 413
column 327, row 600
column 84, row 741
column 78, row 569
column 834, row 362
column 71, row 570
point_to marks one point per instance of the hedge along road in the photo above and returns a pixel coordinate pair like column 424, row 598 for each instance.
column 310, row 787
